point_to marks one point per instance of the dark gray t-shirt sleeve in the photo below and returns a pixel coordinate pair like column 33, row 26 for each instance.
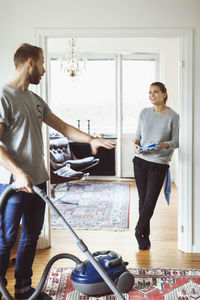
column 4, row 111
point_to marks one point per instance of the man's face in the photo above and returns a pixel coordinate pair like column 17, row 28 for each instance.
column 37, row 71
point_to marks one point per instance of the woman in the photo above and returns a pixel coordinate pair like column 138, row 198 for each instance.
column 158, row 124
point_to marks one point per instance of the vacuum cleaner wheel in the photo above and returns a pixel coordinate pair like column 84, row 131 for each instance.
column 125, row 282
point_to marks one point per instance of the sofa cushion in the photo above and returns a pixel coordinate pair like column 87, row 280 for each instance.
column 78, row 164
column 67, row 172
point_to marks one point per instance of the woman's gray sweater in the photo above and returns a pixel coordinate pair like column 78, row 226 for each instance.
column 153, row 127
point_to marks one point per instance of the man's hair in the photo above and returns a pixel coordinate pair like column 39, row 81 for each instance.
column 26, row 51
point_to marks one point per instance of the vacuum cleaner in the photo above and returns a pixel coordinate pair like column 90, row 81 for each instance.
column 103, row 273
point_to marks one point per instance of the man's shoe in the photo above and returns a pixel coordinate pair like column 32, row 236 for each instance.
column 26, row 295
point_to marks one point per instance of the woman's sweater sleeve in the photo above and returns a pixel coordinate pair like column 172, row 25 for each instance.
column 174, row 143
column 137, row 134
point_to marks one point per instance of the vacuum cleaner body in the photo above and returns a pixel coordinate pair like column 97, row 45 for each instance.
column 87, row 280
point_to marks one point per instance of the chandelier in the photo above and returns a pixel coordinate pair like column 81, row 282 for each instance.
column 73, row 65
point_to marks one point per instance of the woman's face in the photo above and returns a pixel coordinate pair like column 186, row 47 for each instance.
column 156, row 96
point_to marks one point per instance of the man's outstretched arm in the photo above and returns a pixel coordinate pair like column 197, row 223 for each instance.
column 77, row 135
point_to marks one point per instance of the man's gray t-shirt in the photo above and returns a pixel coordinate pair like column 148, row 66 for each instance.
column 153, row 127
column 22, row 112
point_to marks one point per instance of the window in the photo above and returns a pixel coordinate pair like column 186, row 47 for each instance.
column 137, row 75
column 91, row 96
column 89, row 101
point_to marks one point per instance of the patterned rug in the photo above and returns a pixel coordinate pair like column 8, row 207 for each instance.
column 93, row 206
column 152, row 284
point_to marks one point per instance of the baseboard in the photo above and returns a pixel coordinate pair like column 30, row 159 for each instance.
column 105, row 178
column 196, row 249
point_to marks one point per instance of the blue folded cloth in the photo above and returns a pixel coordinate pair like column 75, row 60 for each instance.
column 167, row 186
column 149, row 147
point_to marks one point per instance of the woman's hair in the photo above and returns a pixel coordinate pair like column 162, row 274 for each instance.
column 162, row 88
column 26, row 51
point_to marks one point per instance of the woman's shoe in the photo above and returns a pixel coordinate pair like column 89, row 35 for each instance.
column 144, row 247
column 143, row 242
column 148, row 242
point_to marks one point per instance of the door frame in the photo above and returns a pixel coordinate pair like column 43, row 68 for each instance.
column 185, row 165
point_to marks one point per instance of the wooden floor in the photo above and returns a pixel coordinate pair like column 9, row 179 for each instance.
column 163, row 253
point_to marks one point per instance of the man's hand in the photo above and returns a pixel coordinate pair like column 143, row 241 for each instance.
column 24, row 182
column 96, row 143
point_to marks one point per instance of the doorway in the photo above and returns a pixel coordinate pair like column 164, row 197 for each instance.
column 185, row 166
column 90, row 100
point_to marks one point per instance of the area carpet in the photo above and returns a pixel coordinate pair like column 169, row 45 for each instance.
column 93, row 206
column 152, row 284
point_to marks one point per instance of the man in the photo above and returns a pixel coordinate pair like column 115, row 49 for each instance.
column 21, row 153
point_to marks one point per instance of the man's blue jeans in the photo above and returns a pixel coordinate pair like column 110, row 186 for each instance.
column 30, row 209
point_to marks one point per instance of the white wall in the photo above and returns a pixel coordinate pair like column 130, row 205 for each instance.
column 18, row 20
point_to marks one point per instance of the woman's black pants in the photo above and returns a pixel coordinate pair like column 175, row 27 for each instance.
column 149, row 177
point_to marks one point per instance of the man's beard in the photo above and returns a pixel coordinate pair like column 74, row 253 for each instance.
column 34, row 77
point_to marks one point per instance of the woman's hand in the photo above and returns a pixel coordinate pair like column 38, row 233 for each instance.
column 136, row 145
column 135, row 148
column 163, row 145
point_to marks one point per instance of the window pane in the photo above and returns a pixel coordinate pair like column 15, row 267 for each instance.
column 137, row 75
column 91, row 96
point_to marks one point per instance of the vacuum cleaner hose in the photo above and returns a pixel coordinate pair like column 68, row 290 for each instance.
column 47, row 269
column 39, row 288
